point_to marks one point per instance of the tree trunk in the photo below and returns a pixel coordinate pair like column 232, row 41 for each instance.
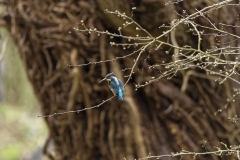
column 162, row 117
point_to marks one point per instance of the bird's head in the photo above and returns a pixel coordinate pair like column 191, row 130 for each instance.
column 108, row 77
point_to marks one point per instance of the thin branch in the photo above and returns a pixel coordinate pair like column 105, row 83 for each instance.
column 76, row 111
column 182, row 153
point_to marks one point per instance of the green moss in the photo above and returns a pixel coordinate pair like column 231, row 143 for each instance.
column 11, row 152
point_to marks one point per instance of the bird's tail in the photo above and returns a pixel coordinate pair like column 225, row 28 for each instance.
column 120, row 95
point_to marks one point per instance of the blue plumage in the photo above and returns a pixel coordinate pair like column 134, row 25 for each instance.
column 115, row 85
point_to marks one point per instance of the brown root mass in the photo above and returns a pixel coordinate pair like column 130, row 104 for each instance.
column 158, row 119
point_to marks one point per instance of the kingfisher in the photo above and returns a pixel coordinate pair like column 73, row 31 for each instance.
column 115, row 85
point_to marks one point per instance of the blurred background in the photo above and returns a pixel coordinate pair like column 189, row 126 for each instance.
column 21, row 131
column 160, row 118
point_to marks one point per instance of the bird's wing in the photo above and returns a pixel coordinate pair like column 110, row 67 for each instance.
column 116, row 85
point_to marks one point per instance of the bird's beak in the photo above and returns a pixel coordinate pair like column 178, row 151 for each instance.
column 102, row 80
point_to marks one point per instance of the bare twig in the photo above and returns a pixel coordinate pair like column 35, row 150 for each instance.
column 76, row 111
